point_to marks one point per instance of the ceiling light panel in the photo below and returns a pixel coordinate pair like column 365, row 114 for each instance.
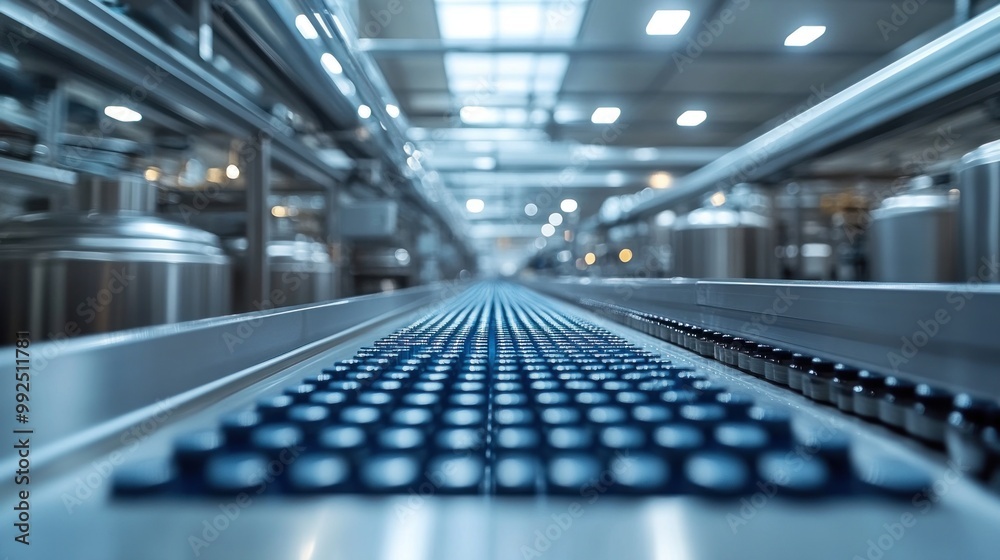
column 805, row 35
column 459, row 22
column 605, row 115
column 305, row 27
column 520, row 21
column 514, row 64
column 667, row 22
column 692, row 118
column 545, row 21
column 472, row 78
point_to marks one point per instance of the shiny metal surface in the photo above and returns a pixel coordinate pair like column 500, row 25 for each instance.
column 299, row 271
column 130, row 193
column 381, row 260
column 978, row 181
column 95, row 385
column 935, row 333
column 723, row 243
column 70, row 274
column 913, row 238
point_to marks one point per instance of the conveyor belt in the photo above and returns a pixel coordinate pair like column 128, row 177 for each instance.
column 500, row 393
column 495, row 424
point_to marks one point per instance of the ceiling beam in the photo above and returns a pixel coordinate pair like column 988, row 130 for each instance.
column 722, row 96
column 423, row 47
column 490, row 231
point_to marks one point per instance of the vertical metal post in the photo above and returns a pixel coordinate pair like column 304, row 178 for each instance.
column 255, row 160
column 963, row 11
column 334, row 240
column 55, row 122
column 203, row 16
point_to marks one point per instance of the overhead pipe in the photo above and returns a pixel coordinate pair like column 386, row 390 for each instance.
column 911, row 82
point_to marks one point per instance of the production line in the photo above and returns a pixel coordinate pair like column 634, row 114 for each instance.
column 461, row 279
column 385, row 438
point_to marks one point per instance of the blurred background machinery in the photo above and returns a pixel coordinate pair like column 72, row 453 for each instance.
column 795, row 199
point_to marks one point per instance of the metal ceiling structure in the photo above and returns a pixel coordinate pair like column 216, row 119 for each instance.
column 502, row 104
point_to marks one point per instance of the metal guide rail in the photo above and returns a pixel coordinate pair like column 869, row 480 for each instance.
column 967, row 427
column 499, row 393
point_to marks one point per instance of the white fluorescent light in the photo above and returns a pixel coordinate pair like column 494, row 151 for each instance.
column 338, row 25
column 667, row 22
column 616, row 179
column 319, row 18
column 692, row 118
column 123, row 114
column 605, row 115
column 522, row 21
column 645, row 154
column 484, row 163
column 480, row 146
column 565, row 115
column 805, row 35
column 569, row 206
column 392, row 110
column 233, row 171
column 816, row 250
column 364, row 111
column 305, row 27
column 515, row 117
column 548, row 230
column 465, row 22
column 475, row 205
column 530, row 209
column 331, row 64
column 555, row 219
column 479, row 115
column 345, row 85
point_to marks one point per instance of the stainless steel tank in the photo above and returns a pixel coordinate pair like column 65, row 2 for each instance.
column 301, row 272
column 380, row 268
column 723, row 243
column 913, row 236
column 110, row 268
column 977, row 177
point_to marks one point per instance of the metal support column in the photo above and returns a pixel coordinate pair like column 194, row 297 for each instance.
column 55, row 122
column 203, row 15
column 255, row 157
